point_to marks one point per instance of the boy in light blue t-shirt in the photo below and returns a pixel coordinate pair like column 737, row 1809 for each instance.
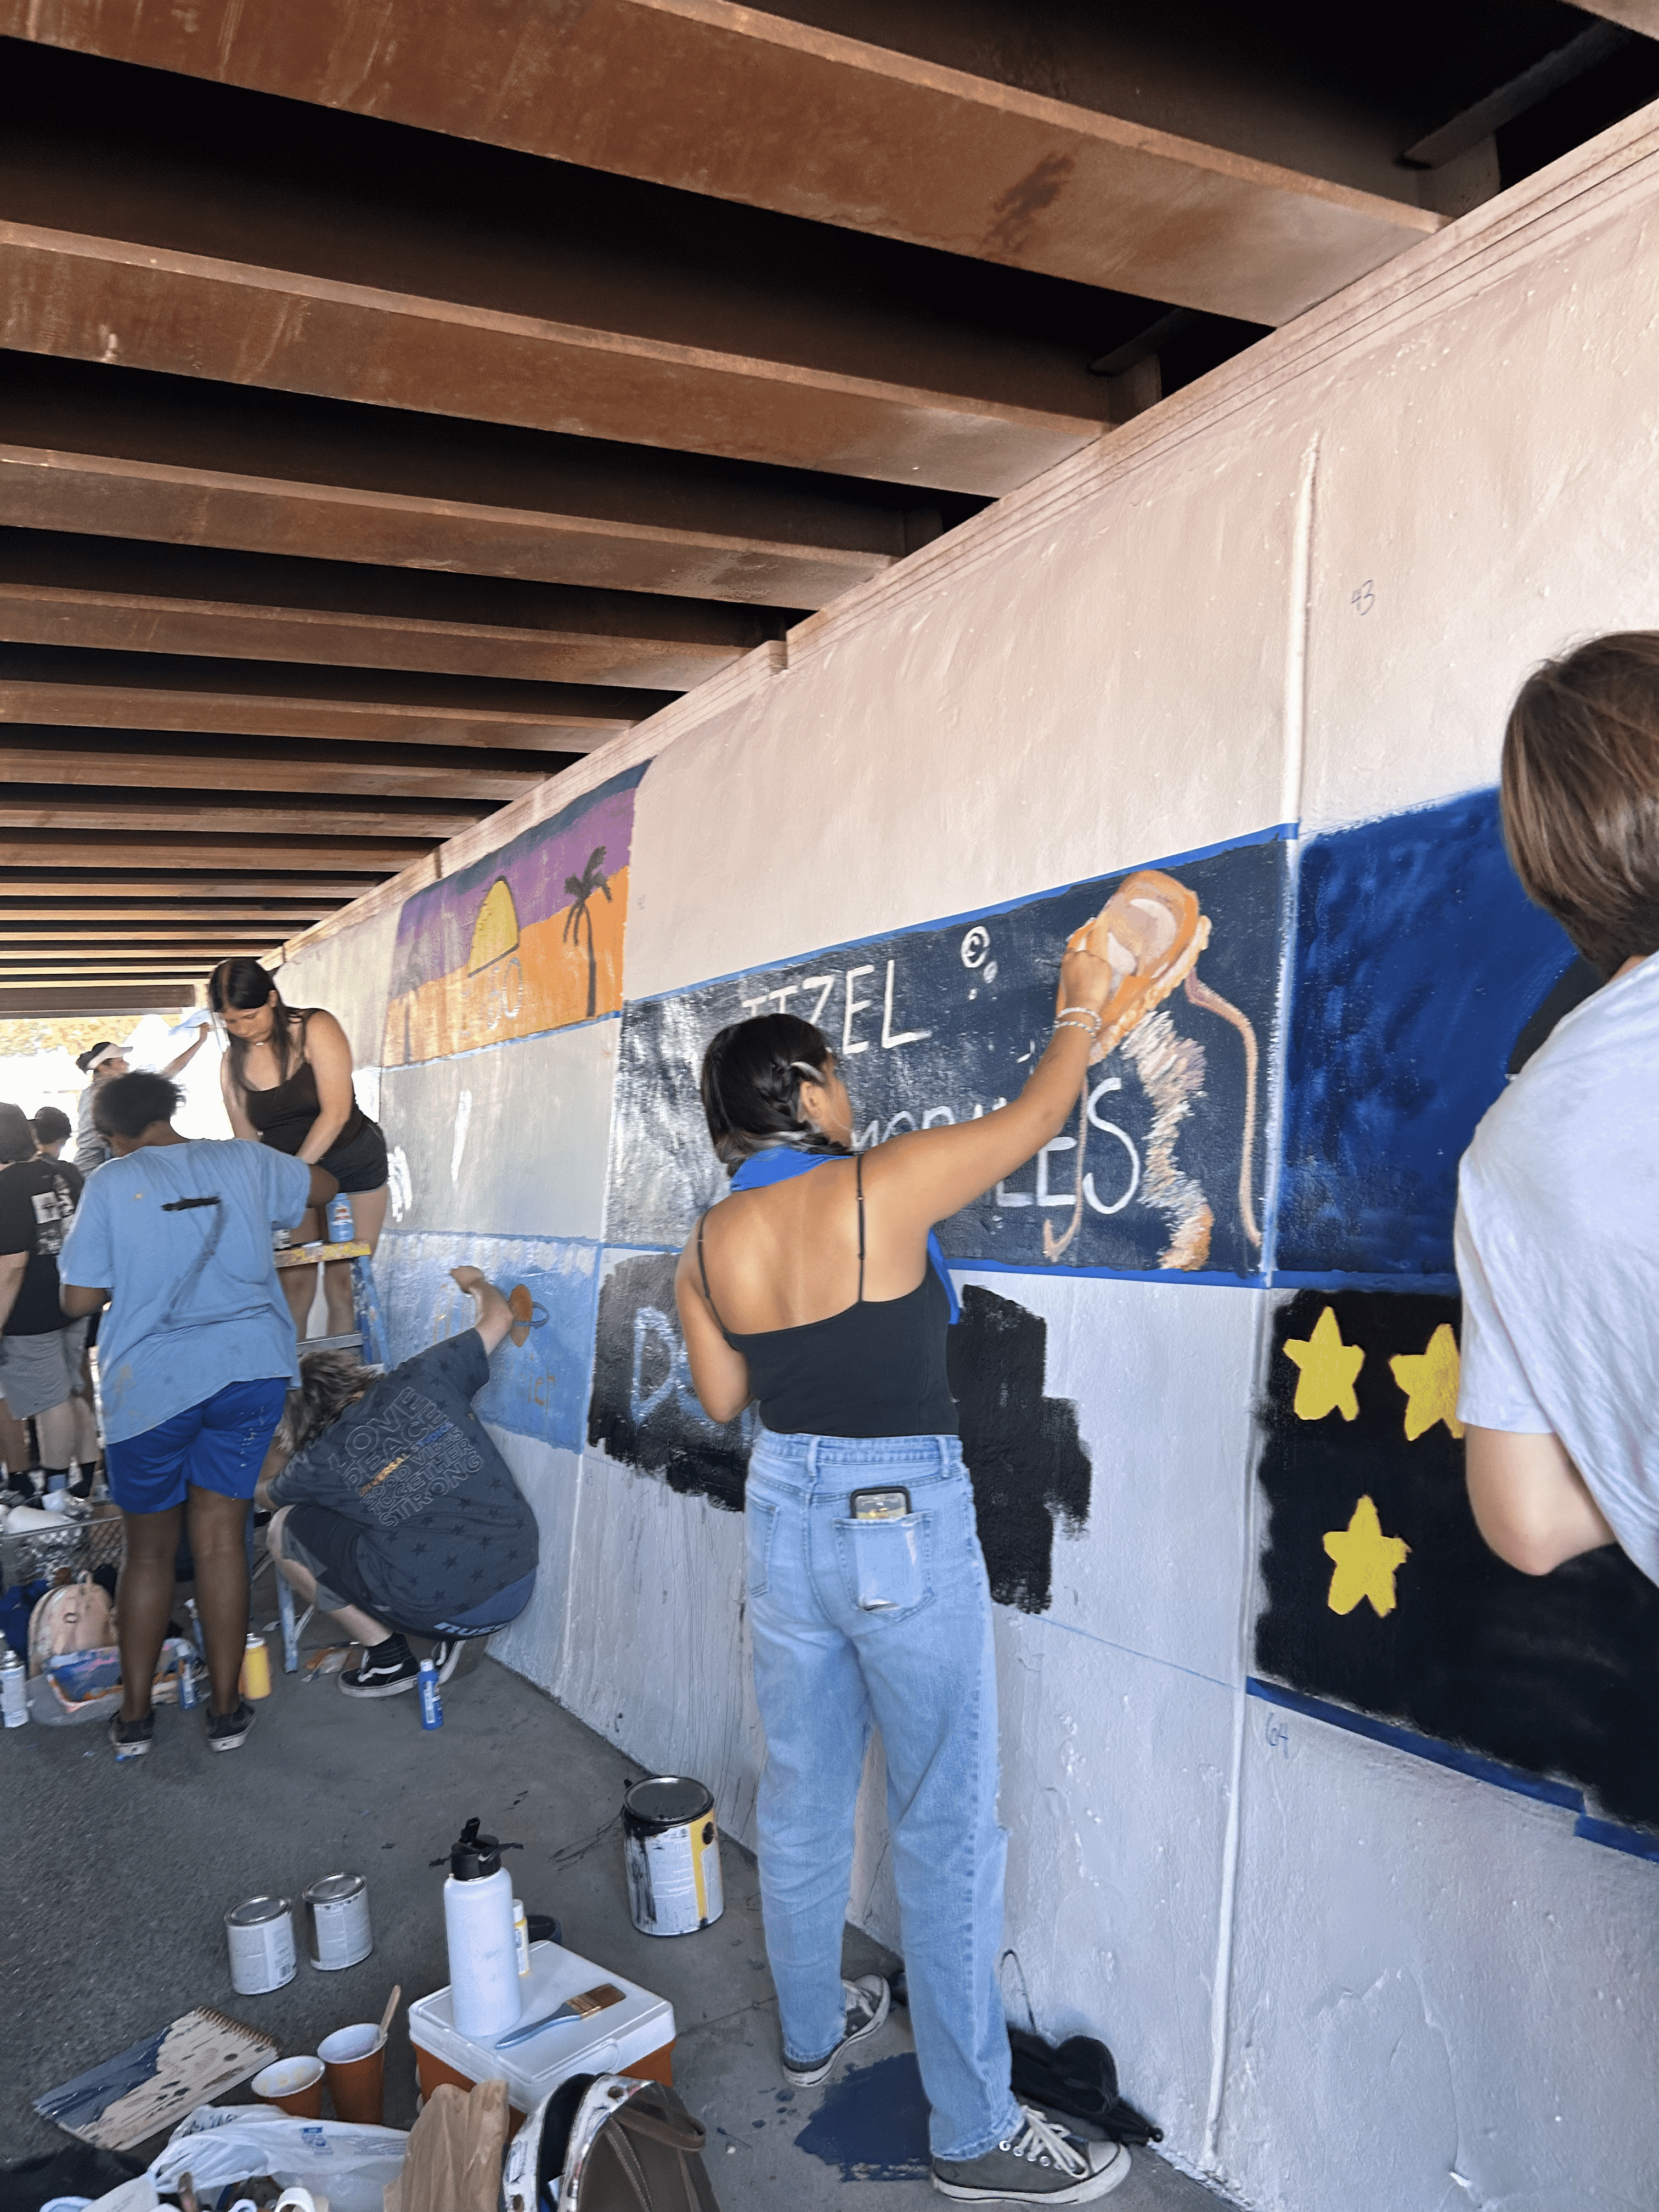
column 195, row 1357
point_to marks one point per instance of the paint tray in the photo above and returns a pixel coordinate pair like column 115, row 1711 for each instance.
column 139, row 2092
column 635, row 2036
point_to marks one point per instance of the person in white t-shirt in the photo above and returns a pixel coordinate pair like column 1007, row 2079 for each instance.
column 1558, row 1215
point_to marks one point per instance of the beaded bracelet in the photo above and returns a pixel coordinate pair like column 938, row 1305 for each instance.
column 1081, row 1027
column 1087, row 1012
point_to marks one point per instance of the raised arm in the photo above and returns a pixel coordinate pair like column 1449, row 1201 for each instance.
column 927, row 1175
column 329, row 1050
column 230, row 1091
column 181, row 1061
column 494, row 1315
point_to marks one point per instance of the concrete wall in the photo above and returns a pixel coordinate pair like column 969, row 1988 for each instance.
column 1351, row 1964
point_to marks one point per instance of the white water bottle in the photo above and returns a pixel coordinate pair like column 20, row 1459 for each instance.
column 483, row 1956
column 14, row 1690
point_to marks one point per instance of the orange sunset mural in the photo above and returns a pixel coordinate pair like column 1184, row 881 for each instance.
column 528, row 938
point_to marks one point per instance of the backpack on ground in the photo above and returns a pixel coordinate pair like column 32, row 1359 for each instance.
column 609, row 2142
column 1078, row 2078
column 74, row 1617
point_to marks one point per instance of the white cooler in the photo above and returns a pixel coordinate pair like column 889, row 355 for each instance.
column 635, row 2036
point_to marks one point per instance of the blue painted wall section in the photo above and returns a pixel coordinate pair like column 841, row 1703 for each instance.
column 1419, row 960
column 539, row 1379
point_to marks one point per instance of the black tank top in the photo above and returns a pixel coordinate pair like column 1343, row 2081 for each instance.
column 875, row 1369
column 284, row 1115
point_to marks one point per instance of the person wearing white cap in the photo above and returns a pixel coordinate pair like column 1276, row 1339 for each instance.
column 103, row 1062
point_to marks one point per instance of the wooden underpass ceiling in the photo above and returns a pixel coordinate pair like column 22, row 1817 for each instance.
column 400, row 398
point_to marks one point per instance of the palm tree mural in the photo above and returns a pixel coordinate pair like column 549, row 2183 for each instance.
column 581, row 889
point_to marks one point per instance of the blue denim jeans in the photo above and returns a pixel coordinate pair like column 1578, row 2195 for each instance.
column 885, row 1622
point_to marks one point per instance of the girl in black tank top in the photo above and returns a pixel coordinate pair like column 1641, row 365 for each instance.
column 866, row 1593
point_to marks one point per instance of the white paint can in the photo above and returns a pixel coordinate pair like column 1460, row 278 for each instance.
column 672, row 1848
column 262, row 1955
column 338, row 1933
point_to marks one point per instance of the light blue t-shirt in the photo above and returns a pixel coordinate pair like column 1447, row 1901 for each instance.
column 1559, row 1260
column 195, row 1302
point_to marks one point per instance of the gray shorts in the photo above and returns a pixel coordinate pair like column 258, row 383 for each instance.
column 38, row 1373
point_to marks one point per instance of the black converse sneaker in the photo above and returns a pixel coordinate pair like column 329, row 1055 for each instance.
column 387, row 1669
column 867, row 2001
column 1039, row 2164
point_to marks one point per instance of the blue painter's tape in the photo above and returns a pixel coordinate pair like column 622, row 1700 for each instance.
column 1612, row 1835
column 1637, row 1842
column 1421, row 1746
column 1299, row 1278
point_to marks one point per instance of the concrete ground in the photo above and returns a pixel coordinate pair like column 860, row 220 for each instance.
column 117, row 1878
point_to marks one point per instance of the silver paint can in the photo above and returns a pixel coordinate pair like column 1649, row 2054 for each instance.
column 672, row 1849
column 261, row 1935
column 338, row 1933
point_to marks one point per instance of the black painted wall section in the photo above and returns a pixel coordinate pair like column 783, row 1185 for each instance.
column 1556, row 1674
column 1031, row 1470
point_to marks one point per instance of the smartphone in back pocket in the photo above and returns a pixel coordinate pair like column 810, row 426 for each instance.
column 879, row 1505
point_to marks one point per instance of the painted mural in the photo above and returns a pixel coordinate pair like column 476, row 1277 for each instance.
column 1418, row 961
column 537, row 1382
column 529, row 938
column 1160, row 1169
column 1030, row 1469
column 1378, row 1592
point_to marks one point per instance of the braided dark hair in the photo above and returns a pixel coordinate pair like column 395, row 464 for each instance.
column 752, row 1075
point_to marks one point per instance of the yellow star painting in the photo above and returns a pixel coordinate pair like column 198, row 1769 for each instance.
column 1429, row 1379
column 1366, row 1562
column 1329, row 1370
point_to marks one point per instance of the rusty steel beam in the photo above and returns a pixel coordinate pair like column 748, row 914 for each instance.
column 716, row 98
column 130, row 455
column 106, row 495
column 73, row 911
column 356, row 771
column 190, row 314
column 150, row 938
column 25, row 806
column 126, row 595
column 375, row 858
column 28, row 1001
column 264, row 700
column 95, row 887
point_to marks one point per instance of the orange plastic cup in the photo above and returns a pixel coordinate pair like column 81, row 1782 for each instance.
column 295, row 2084
column 354, row 2059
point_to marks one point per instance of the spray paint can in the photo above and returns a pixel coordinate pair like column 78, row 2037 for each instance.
column 186, row 1675
column 672, row 1850
column 262, row 1954
column 338, row 1933
column 432, row 1704
column 256, row 1667
column 342, row 1228
column 14, row 1690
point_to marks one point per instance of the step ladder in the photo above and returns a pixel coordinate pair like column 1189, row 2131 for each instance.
column 369, row 1336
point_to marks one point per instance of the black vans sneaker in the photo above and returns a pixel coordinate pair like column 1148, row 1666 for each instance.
column 446, row 1656
column 387, row 1669
column 131, row 1739
column 225, row 1730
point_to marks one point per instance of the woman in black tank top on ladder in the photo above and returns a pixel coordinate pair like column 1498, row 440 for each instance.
column 286, row 1078
column 817, row 1289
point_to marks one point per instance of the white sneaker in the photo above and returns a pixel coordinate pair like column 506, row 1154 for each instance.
column 867, row 2002
column 1040, row 2165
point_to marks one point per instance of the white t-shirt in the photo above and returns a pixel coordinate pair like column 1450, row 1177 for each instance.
column 1558, row 1255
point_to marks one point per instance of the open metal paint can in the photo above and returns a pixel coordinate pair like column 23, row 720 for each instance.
column 262, row 1955
column 672, row 1848
column 338, row 1933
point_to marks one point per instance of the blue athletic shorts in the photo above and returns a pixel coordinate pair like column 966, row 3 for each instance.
column 220, row 1444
